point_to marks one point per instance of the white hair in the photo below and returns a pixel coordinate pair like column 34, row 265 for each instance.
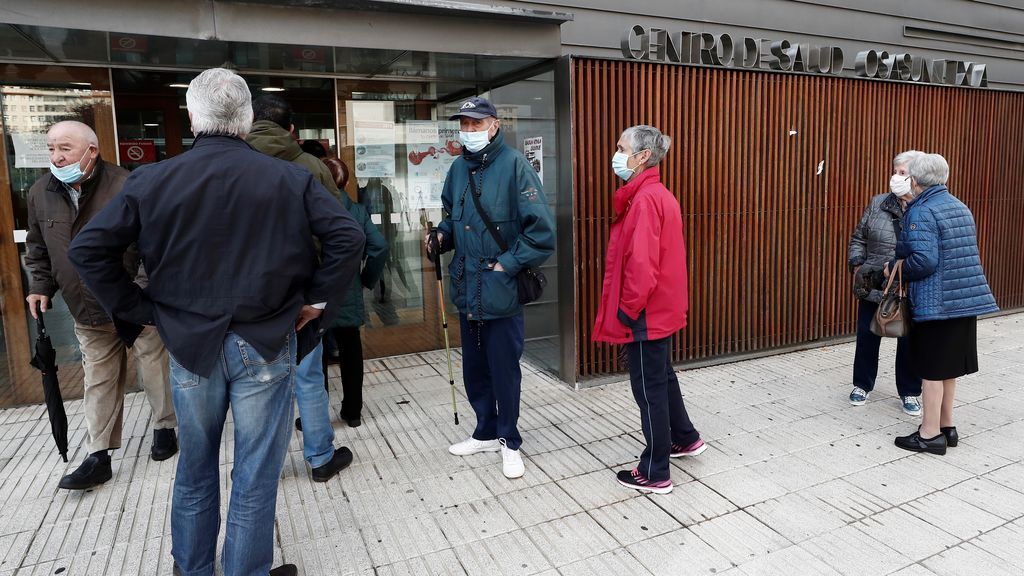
column 643, row 137
column 928, row 170
column 219, row 102
column 904, row 158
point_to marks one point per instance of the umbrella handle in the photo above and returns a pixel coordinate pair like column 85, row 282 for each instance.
column 40, row 325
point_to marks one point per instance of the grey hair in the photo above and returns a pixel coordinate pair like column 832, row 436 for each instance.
column 928, row 170
column 220, row 103
column 643, row 137
column 85, row 132
column 904, row 158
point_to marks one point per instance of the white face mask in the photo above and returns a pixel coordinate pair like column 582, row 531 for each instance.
column 620, row 165
column 899, row 185
column 475, row 141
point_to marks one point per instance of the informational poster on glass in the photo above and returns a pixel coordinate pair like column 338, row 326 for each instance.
column 375, row 148
column 431, row 147
column 30, row 151
column 533, row 149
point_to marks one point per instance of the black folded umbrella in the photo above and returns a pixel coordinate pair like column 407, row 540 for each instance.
column 45, row 360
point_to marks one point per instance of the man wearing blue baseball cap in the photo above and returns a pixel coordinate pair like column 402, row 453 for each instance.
column 498, row 222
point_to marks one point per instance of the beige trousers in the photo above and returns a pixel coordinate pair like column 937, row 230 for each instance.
column 105, row 362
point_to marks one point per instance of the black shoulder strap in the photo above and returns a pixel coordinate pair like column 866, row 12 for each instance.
column 483, row 214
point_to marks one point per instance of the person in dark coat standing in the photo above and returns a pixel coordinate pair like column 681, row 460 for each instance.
column 226, row 235
column 483, row 276
column 947, row 290
column 274, row 134
column 644, row 301
column 352, row 313
column 60, row 204
column 872, row 244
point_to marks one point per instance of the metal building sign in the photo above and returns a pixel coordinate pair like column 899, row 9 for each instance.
column 661, row 45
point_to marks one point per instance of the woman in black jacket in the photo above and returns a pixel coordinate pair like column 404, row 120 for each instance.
column 873, row 245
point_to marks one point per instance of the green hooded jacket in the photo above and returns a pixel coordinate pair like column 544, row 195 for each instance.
column 272, row 140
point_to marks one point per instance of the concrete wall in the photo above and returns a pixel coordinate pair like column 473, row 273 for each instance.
column 987, row 31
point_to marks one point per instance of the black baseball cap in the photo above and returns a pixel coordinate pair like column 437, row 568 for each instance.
column 475, row 107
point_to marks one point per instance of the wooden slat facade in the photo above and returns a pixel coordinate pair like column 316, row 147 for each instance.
column 767, row 232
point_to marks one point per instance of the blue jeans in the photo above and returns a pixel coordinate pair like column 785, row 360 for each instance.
column 490, row 369
column 865, row 356
column 314, row 409
column 259, row 393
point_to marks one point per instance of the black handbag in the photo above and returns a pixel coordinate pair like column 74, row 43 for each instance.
column 531, row 280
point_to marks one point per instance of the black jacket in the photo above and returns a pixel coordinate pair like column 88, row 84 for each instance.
column 873, row 243
column 226, row 236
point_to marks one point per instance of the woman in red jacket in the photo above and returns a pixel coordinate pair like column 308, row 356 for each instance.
column 644, row 302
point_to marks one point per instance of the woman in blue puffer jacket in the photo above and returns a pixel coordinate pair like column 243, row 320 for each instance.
column 948, row 291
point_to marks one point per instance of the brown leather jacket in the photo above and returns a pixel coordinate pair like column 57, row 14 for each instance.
column 53, row 221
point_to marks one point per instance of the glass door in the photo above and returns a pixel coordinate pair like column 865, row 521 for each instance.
column 33, row 98
column 399, row 144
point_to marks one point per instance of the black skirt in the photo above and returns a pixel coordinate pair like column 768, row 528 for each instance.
column 944, row 349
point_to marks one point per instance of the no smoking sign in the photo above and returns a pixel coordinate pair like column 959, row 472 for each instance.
column 137, row 151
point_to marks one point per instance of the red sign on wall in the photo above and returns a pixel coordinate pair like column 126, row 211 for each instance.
column 126, row 43
column 137, row 151
column 314, row 55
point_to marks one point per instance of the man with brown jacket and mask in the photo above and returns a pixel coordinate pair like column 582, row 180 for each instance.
column 60, row 204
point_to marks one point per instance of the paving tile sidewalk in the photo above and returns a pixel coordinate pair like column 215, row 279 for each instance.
column 796, row 481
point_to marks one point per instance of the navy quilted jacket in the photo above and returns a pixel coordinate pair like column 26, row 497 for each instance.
column 939, row 247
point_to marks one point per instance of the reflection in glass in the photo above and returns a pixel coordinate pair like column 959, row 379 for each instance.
column 28, row 112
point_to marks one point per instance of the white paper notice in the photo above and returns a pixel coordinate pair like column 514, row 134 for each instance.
column 533, row 149
column 376, row 219
column 375, row 149
column 20, row 236
column 30, row 151
column 396, row 217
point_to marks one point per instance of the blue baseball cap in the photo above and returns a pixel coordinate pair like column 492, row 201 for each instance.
column 475, row 107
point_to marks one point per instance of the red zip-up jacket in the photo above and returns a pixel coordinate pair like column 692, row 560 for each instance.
column 645, row 294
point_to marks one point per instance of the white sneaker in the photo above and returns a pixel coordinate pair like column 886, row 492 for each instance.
column 472, row 446
column 511, row 462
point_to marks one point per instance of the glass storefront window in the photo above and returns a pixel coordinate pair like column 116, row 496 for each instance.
column 42, row 97
column 390, row 126
column 400, row 145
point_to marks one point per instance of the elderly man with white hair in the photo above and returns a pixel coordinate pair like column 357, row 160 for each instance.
column 60, row 204
column 236, row 285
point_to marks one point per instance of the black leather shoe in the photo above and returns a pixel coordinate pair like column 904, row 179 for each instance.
column 165, row 444
column 352, row 422
column 915, row 443
column 341, row 459
column 91, row 473
column 298, row 424
column 952, row 439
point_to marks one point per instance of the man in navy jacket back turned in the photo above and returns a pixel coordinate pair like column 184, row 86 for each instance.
column 226, row 236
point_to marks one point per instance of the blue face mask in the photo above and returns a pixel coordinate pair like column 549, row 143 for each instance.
column 71, row 173
column 475, row 141
column 620, row 165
